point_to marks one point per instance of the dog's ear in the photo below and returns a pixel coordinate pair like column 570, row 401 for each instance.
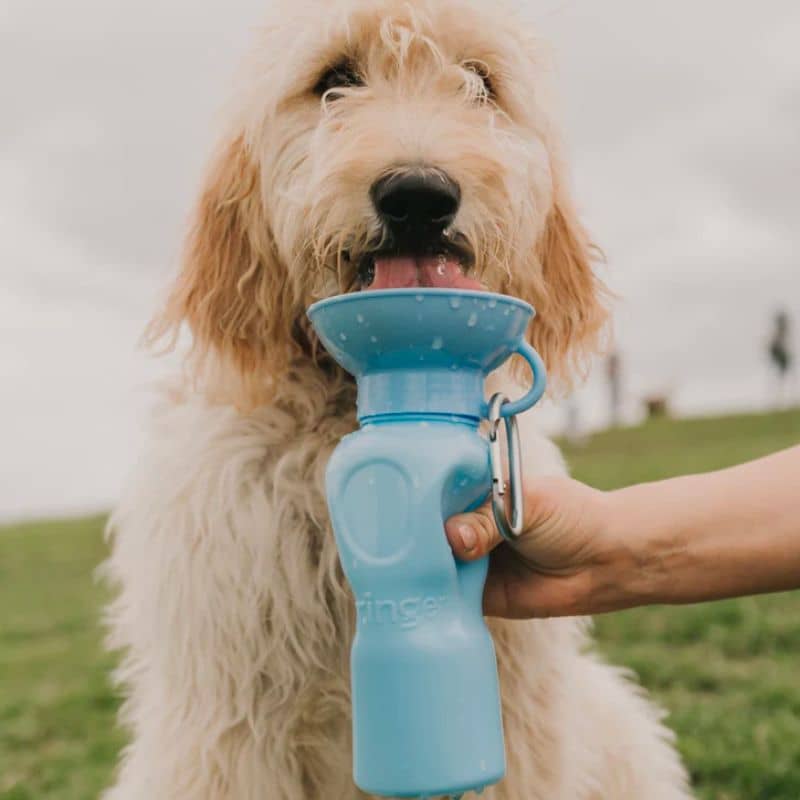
column 232, row 291
column 570, row 300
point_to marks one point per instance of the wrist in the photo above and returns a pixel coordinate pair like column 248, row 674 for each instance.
column 644, row 550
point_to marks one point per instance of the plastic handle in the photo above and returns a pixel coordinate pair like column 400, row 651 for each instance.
column 536, row 391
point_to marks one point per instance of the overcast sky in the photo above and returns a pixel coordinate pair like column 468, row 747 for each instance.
column 684, row 126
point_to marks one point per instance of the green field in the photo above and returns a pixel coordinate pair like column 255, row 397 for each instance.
column 729, row 673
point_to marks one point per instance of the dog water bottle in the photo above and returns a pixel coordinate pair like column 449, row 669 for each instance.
column 426, row 702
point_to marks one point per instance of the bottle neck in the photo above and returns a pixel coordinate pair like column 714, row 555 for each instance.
column 420, row 394
column 417, row 419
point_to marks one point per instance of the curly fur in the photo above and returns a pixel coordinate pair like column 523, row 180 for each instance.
column 231, row 608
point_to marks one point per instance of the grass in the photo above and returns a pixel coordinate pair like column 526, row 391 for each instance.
column 57, row 733
column 729, row 673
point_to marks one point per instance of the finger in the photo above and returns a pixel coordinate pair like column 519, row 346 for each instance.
column 473, row 535
column 539, row 596
column 513, row 593
column 501, row 591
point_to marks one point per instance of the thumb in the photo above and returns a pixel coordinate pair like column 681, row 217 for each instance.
column 473, row 535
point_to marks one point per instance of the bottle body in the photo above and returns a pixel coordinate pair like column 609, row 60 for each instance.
column 426, row 705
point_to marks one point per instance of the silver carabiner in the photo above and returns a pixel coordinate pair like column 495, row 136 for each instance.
column 510, row 530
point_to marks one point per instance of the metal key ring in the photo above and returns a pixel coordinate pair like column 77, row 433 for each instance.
column 509, row 530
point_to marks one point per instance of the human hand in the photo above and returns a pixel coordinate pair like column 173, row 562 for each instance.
column 684, row 540
column 566, row 562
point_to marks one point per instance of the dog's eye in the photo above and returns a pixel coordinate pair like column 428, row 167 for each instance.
column 343, row 75
column 481, row 69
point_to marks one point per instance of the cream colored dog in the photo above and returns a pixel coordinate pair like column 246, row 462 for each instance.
column 375, row 143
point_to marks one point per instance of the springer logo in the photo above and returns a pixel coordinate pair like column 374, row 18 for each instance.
column 407, row 613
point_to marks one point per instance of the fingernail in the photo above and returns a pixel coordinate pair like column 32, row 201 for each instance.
column 468, row 537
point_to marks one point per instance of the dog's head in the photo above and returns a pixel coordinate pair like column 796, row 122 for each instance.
column 384, row 143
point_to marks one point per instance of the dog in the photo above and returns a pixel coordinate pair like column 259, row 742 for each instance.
column 373, row 143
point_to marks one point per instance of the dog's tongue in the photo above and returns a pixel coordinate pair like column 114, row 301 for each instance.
column 437, row 272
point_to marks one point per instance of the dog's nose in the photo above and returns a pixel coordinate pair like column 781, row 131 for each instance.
column 417, row 202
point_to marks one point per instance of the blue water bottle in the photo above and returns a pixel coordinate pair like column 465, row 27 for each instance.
column 426, row 702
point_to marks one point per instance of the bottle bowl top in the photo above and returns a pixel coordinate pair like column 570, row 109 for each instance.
column 420, row 328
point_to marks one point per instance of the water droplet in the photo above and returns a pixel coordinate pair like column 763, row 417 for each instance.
column 424, row 424
column 490, row 328
column 438, row 343
column 454, row 368
column 343, row 337
column 360, row 319
column 371, row 481
column 455, row 302
column 420, row 298
column 493, row 303
column 373, row 339
column 483, row 766
column 473, row 320
column 508, row 311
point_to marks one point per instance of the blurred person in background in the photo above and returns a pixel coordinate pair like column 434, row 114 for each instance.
column 614, row 374
column 781, row 356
